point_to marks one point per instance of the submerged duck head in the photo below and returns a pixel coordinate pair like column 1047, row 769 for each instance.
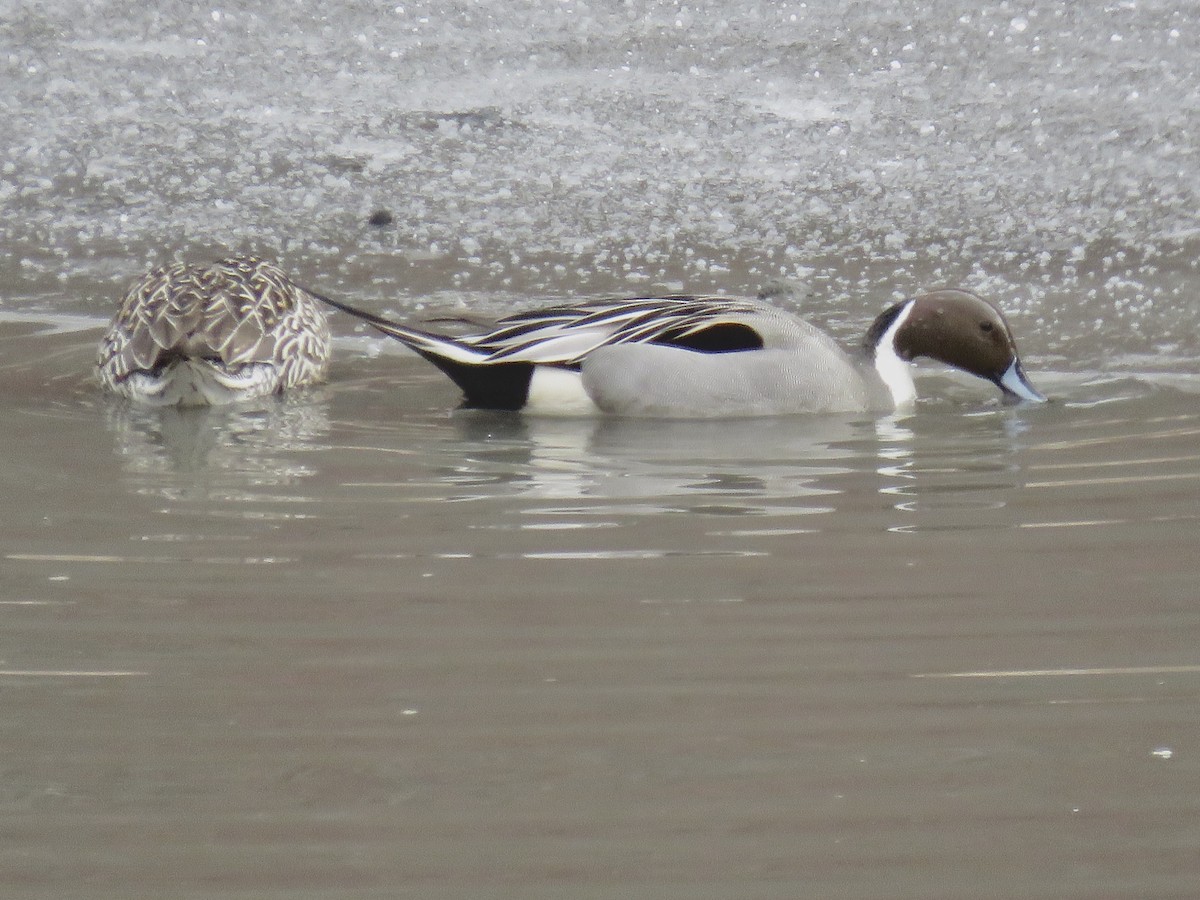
column 952, row 326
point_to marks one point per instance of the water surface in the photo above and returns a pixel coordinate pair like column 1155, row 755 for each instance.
column 354, row 644
column 357, row 644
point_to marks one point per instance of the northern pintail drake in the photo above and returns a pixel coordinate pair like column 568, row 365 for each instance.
column 199, row 335
column 710, row 357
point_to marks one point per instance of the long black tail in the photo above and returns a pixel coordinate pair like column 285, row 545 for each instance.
column 429, row 344
column 487, row 385
column 385, row 325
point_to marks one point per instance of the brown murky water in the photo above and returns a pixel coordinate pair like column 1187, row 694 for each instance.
column 353, row 645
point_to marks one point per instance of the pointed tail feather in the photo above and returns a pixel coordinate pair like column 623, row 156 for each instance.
column 370, row 317
column 432, row 346
column 490, row 386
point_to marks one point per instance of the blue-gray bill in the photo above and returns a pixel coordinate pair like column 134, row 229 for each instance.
column 1016, row 384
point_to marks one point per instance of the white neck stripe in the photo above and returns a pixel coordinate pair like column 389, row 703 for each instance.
column 894, row 371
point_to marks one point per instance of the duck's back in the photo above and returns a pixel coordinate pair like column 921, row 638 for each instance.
column 239, row 316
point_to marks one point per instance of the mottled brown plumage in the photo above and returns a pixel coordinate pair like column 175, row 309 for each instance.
column 209, row 334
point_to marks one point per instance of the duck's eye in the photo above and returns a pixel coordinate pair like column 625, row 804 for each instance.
column 986, row 327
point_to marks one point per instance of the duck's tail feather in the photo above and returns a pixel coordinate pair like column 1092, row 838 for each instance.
column 433, row 347
column 485, row 384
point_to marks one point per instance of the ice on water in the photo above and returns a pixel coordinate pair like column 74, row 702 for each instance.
column 1042, row 151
